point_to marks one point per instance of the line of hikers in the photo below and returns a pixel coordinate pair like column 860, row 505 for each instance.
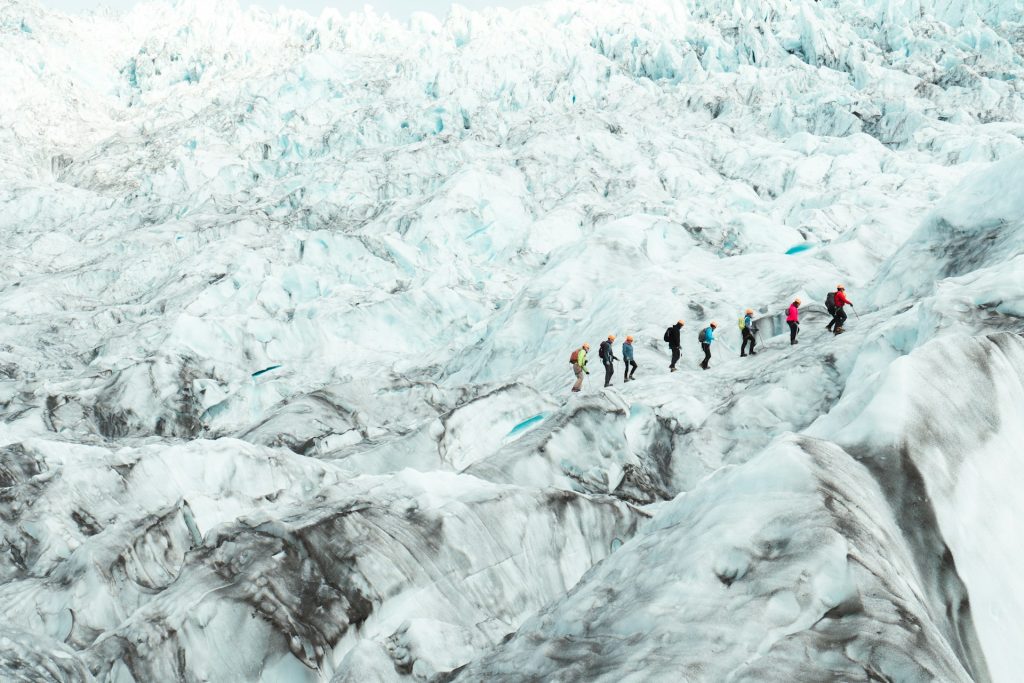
column 834, row 303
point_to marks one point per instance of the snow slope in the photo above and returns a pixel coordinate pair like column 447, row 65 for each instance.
column 287, row 303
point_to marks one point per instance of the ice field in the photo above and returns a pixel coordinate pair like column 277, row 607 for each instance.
column 287, row 302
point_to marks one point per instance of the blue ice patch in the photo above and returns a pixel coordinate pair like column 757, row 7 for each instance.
column 798, row 248
column 526, row 424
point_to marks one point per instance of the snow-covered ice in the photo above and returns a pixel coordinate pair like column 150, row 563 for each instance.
column 287, row 302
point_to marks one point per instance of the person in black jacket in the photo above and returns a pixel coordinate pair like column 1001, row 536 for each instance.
column 672, row 337
column 607, row 354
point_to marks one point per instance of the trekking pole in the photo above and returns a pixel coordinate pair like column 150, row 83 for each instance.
column 855, row 312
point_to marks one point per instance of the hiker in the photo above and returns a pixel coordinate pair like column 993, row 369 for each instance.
column 793, row 320
column 839, row 300
column 706, row 336
column 607, row 355
column 830, row 306
column 579, row 365
column 747, row 328
column 672, row 337
column 627, row 359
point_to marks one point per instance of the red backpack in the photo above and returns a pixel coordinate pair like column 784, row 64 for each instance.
column 574, row 358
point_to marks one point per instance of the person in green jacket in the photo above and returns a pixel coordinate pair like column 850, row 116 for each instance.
column 579, row 365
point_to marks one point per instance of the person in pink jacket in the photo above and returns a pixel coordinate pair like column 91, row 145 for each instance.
column 793, row 320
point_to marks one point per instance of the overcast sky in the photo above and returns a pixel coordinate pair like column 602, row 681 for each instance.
column 396, row 8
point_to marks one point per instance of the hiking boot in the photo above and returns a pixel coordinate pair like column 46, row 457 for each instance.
column 671, row 369
column 753, row 353
column 743, row 355
column 839, row 330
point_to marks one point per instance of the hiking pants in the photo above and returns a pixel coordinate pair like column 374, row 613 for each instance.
column 579, row 377
column 707, row 355
column 675, row 356
column 794, row 327
column 609, row 370
column 840, row 318
column 627, row 374
column 748, row 336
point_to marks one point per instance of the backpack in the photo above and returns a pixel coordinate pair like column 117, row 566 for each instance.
column 701, row 337
column 668, row 331
column 743, row 325
column 575, row 357
column 830, row 303
column 605, row 351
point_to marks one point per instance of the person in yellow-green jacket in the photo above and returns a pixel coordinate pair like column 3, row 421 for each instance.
column 578, row 359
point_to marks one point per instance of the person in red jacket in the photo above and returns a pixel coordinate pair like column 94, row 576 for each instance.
column 840, row 317
column 793, row 320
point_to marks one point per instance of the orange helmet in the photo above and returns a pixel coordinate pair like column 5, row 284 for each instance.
column 681, row 322
column 714, row 324
column 750, row 311
column 840, row 288
column 611, row 337
column 586, row 346
column 629, row 337
column 796, row 301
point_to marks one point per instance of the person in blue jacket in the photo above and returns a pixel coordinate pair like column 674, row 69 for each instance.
column 706, row 339
column 748, row 333
column 627, row 358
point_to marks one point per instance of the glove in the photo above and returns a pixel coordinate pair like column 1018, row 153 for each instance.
column 587, row 371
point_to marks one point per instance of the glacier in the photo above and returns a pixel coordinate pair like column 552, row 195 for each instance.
column 287, row 303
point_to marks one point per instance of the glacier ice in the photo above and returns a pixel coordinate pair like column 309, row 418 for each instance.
column 782, row 565
column 287, row 304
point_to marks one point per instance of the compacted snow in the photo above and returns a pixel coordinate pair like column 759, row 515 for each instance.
column 287, row 304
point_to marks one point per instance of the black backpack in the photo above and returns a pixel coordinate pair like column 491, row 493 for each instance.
column 668, row 331
column 604, row 352
column 701, row 337
column 830, row 303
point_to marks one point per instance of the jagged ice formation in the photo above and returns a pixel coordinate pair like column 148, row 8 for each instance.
column 287, row 303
